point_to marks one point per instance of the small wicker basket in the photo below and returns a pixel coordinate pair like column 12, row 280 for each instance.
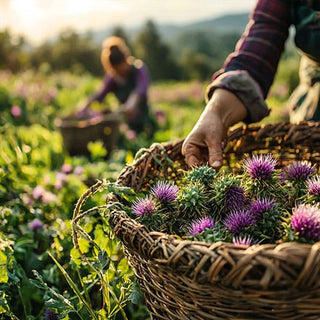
column 199, row 281
column 77, row 133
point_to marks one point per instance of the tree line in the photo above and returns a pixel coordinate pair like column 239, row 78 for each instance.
column 192, row 55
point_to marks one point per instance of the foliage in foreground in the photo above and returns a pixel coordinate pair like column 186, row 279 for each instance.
column 41, row 272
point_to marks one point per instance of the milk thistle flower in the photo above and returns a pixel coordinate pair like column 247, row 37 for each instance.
column 192, row 199
column 260, row 166
column 242, row 241
column 143, row 206
column 199, row 225
column 36, row 224
column 237, row 221
column 298, row 170
column 313, row 185
column 204, row 175
column 234, row 198
column 306, row 221
column 165, row 192
column 260, row 206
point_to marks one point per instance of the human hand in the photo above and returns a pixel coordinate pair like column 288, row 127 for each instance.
column 205, row 142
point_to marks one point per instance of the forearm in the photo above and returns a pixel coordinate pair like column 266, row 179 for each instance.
column 106, row 87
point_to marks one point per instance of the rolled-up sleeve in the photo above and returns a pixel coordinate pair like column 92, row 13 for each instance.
column 249, row 71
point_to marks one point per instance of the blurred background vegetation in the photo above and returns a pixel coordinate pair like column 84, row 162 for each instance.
column 40, row 182
column 193, row 51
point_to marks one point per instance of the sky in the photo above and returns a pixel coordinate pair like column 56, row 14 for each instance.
column 38, row 20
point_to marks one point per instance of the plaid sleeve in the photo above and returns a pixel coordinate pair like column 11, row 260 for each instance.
column 259, row 49
column 246, row 89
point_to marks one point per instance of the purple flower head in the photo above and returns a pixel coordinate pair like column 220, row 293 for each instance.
column 260, row 206
column 38, row 192
column 143, row 206
column 131, row 134
column 36, row 224
column 50, row 315
column 260, row 166
column 306, row 220
column 198, row 226
column 165, row 192
column 161, row 117
column 235, row 198
column 66, row 168
column 236, row 221
column 298, row 170
column 16, row 111
column 78, row 170
column 242, row 241
column 49, row 197
column 313, row 185
column 61, row 177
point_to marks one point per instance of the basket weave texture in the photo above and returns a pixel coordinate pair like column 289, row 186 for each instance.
column 184, row 279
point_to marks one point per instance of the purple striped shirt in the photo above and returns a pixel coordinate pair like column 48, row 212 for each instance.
column 141, row 83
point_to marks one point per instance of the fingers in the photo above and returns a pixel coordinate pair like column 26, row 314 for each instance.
column 193, row 161
column 201, row 151
column 215, row 153
column 191, row 151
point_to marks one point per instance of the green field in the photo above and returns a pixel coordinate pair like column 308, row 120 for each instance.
column 40, row 270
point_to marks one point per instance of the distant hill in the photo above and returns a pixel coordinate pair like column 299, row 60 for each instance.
column 223, row 24
column 226, row 23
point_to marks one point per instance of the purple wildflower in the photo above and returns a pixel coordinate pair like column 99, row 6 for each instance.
column 61, row 177
column 298, row 170
column 36, row 224
column 260, row 206
column 313, row 185
column 235, row 198
column 16, row 111
column 66, row 168
column 260, row 166
column 165, row 192
column 161, row 117
column 198, row 226
column 306, row 220
column 49, row 197
column 38, row 192
column 143, row 206
column 131, row 134
column 236, row 221
column 78, row 170
column 50, row 315
column 242, row 241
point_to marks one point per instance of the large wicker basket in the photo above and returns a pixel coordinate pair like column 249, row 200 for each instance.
column 77, row 133
column 198, row 281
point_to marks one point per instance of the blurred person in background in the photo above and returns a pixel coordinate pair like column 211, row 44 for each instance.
column 238, row 90
column 128, row 78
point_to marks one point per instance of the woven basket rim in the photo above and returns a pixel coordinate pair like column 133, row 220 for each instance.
column 166, row 249
column 67, row 123
column 165, row 145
